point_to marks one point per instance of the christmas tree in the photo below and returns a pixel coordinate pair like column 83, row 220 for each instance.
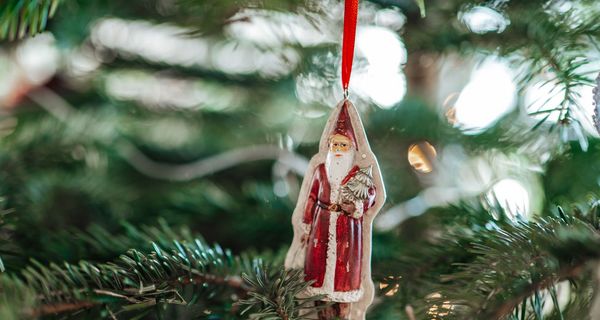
column 152, row 152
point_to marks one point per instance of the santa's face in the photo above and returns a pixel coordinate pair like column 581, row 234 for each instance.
column 339, row 158
column 339, row 145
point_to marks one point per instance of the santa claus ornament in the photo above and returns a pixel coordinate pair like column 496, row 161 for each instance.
column 340, row 195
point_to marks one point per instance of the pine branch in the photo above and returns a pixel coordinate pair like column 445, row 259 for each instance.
column 60, row 308
column 524, row 260
column 20, row 18
column 163, row 276
column 560, row 52
column 507, row 307
column 501, row 269
column 135, row 278
column 274, row 295
column 7, row 247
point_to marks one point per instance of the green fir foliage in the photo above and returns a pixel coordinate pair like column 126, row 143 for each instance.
column 112, row 202
column 20, row 18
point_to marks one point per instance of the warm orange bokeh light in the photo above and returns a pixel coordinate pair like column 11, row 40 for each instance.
column 421, row 156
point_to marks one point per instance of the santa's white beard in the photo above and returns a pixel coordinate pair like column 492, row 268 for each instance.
column 338, row 167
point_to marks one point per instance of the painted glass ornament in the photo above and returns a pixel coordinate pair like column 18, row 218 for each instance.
column 341, row 194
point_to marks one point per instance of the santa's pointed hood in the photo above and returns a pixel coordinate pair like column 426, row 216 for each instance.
column 343, row 125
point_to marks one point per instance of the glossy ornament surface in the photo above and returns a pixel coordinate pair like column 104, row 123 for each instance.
column 341, row 194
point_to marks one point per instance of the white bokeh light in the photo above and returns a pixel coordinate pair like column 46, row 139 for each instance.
column 82, row 63
column 390, row 18
column 169, row 44
column 38, row 57
column 383, row 82
column 490, row 94
column 9, row 76
column 382, row 47
column 276, row 29
column 159, row 91
column 512, row 197
column 34, row 62
column 384, row 89
column 481, row 20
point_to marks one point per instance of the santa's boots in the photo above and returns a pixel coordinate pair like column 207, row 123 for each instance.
column 333, row 311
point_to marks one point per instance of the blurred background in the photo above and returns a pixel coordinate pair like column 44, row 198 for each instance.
column 204, row 114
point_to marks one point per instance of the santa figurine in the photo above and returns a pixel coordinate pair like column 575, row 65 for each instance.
column 341, row 194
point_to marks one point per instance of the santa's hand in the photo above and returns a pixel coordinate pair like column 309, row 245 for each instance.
column 348, row 208
column 304, row 239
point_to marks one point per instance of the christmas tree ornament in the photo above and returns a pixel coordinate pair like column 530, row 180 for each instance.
column 341, row 194
column 596, row 116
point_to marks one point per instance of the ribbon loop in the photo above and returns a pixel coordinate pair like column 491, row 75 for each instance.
column 350, row 18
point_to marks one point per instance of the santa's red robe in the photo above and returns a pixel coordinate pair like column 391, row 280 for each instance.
column 336, row 235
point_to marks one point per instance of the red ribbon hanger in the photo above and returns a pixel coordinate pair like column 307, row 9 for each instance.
column 350, row 17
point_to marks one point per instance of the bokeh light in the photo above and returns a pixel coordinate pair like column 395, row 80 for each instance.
column 170, row 44
column 512, row 197
column 377, row 75
column 161, row 91
column 392, row 19
column 276, row 29
column 480, row 19
column 489, row 95
column 383, row 82
column 421, row 156
column 38, row 57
